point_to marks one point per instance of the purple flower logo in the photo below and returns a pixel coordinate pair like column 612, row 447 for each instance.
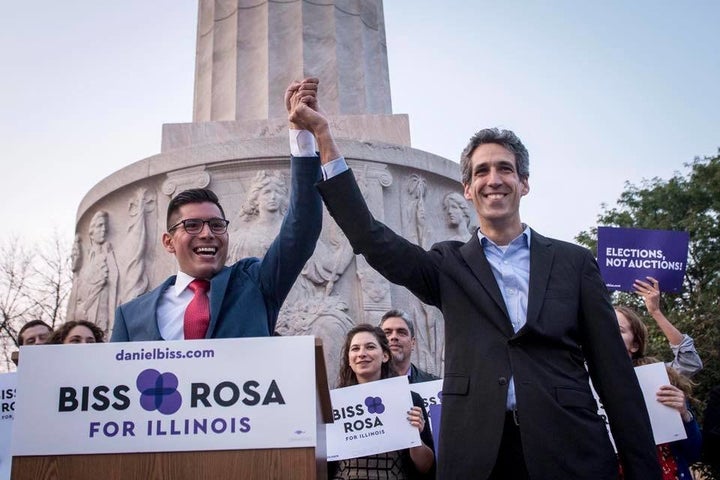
column 374, row 405
column 158, row 391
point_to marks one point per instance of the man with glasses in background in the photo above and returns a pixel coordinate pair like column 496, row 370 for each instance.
column 207, row 299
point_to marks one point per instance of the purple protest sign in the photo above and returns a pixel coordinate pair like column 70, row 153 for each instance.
column 629, row 254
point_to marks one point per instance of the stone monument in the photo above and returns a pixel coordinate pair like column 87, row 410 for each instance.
column 248, row 51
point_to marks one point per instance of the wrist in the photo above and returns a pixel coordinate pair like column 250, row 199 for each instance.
column 687, row 416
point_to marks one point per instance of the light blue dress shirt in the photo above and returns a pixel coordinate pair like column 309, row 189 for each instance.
column 510, row 266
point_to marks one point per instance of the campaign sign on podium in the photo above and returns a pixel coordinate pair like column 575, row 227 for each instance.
column 222, row 394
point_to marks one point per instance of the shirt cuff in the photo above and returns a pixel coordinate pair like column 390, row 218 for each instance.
column 334, row 168
column 302, row 143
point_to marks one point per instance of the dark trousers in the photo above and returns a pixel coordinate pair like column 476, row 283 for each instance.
column 510, row 463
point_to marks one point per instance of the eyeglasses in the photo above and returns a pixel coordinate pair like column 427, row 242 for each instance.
column 193, row 226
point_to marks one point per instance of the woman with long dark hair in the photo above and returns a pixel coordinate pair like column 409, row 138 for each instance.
column 365, row 358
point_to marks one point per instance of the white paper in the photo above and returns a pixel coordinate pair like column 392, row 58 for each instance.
column 666, row 422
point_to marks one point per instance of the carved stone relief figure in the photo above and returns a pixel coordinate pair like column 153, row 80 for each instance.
column 417, row 231
column 313, row 307
column 75, row 266
column 415, row 214
column 135, row 280
column 260, row 216
column 100, row 278
column 457, row 214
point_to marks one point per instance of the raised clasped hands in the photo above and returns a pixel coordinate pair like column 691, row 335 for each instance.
column 302, row 105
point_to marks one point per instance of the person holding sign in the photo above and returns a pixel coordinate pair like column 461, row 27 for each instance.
column 365, row 358
column 676, row 457
column 686, row 361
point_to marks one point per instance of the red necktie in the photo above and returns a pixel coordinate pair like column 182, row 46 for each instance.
column 197, row 313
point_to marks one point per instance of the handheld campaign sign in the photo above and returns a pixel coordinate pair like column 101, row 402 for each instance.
column 223, row 394
column 628, row 254
column 431, row 393
column 371, row 418
column 8, row 382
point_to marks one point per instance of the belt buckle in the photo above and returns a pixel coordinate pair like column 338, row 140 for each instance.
column 515, row 417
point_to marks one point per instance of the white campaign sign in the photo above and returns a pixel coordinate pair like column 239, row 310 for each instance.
column 431, row 392
column 8, row 382
column 371, row 418
column 221, row 394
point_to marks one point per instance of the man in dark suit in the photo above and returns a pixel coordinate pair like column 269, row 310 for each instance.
column 524, row 315
column 399, row 330
column 244, row 299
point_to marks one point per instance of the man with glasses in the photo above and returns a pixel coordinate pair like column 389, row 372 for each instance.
column 207, row 299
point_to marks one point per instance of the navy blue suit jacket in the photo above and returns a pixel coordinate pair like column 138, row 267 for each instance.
column 245, row 298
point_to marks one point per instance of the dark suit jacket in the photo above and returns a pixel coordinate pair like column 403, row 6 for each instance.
column 419, row 376
column 245, row 298
column 570, row 321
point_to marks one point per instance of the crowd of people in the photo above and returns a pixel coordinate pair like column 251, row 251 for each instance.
column 521, row 343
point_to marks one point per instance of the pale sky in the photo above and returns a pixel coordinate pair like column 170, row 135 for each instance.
column 600, row 93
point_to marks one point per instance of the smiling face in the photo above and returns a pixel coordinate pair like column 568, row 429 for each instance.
column 202, row 255
column 366, row 356
column 80, row 334
column 495, row 188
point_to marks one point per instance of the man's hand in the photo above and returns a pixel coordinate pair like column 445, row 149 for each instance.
column 304, row 113
column 303, row 108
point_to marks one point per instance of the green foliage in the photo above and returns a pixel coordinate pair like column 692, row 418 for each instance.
column 690, row 203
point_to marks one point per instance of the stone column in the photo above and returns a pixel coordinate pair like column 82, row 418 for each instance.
column 249, row 50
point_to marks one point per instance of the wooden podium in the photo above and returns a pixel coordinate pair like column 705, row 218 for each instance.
column 282, row 463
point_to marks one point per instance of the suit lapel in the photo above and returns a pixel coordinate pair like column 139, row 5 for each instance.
column 218, row 286
column 542, row 254
column 474, row 255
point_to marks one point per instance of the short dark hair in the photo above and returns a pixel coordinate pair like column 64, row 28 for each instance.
column 30, row 324
column 61, row 333
column 346, row 376
column 396, row 312
column 193, row 195
column 504, row 138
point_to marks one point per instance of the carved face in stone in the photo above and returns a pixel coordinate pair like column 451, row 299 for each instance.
column 268, row 194
column 456, row 209
column 98, row 228
column 202, row 255
column 271, row 196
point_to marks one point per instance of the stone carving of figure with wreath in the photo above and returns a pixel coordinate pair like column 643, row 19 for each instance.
column 260, row 216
